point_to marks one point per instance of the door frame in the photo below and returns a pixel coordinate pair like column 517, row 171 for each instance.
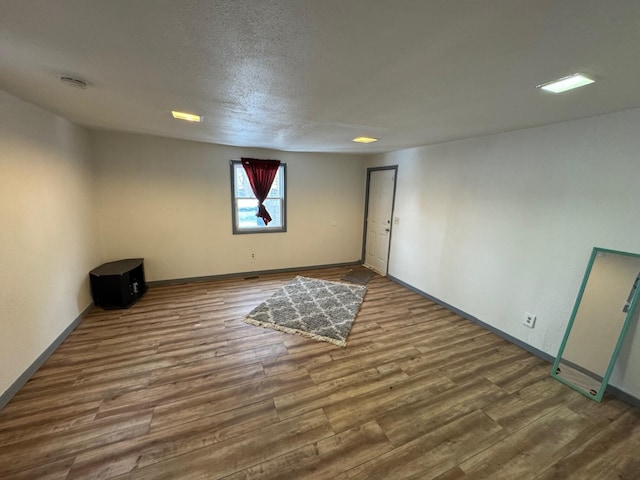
column 366, row 210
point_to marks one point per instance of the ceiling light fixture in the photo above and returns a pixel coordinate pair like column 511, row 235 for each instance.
column 365, row 139
column 567, row 83
column 189, row 117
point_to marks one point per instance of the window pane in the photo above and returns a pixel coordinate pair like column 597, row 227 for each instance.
column 243, row 187
column 275, row 187
column 274, row 207
column 247, row 209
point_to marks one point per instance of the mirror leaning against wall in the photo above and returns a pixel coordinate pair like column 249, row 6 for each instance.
column 601, row 317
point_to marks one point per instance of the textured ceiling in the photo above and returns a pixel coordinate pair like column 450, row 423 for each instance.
column 309, row 75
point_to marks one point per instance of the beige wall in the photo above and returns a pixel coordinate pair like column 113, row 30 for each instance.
column 169, row 201
column 71, row 200
column 47, row 241
column 504, row 224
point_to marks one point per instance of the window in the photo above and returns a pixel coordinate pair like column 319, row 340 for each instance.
column 245, row 203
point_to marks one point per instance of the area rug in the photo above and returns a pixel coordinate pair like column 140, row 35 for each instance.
column 361, row 275
column 313, row 308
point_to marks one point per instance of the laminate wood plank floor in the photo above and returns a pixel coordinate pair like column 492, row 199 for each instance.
column 179, row 387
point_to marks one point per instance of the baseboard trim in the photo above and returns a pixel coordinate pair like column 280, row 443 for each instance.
column 38, row 362
column 624, row 396
column 615, row 391
column 8, row 394
column 256, row 273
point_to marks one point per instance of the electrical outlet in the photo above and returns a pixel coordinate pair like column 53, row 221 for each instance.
column 529, row 320
column 253, row 256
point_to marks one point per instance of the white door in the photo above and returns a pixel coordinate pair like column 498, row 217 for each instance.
column 379, row 211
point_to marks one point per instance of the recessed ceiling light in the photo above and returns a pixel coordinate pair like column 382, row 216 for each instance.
column 567, row 83
column 189, row 117
column 365, row 139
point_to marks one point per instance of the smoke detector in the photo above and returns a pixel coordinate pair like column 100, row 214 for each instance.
column 74, row 82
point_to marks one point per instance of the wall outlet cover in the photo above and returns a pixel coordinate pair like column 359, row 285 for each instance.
column 529, row 320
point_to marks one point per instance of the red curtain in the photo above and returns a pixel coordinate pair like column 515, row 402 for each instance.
column 261, row 174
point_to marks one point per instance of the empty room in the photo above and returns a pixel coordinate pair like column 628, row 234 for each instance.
column 319, row 239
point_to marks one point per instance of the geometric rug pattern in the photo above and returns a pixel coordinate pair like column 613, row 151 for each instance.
column 313, row 308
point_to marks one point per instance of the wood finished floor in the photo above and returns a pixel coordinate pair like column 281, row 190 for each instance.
column 178, row 387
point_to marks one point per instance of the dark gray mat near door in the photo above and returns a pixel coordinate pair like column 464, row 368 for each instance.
column 359, row 275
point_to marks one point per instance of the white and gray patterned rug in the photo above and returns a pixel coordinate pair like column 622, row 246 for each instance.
column 313, row 308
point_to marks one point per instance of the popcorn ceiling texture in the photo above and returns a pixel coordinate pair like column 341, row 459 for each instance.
column 310, row 75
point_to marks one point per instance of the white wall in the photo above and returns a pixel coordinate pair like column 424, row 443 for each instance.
column 502, row 225
column 47, row 242
column 169, row 201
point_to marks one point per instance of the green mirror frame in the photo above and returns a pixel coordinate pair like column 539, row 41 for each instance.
column 593, row 394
